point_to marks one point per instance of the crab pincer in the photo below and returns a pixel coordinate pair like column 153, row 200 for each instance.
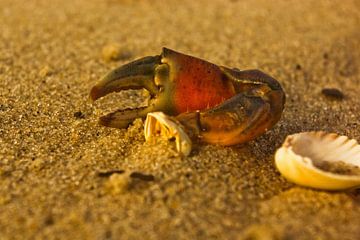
column 214, row 104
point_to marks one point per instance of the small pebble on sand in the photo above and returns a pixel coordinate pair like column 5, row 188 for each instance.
column 113, row 52
column 333, row 93
column 45, row 71
column 118, row 183
column 79, row 115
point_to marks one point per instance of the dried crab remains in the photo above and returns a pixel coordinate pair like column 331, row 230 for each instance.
column 195, row 100
column 200, row 101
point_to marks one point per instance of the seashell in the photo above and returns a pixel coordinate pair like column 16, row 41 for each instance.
column 320, row 160
column 157, row 123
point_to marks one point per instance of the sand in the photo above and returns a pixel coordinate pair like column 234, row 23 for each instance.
column 63, row 176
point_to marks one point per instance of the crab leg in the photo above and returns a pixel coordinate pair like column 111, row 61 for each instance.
column 237, row 120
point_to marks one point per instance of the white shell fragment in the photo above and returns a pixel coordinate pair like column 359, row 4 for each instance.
column 320, row 160
column 157, row 123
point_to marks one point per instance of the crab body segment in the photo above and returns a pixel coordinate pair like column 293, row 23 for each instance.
column 215, row 104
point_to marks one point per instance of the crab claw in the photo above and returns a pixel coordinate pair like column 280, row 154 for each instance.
column 177, row 83
column 135, row 75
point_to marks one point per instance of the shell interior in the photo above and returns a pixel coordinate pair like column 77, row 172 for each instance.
column 320, row 160
column 325, row 150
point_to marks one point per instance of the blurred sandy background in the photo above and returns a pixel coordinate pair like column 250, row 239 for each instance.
column 61, row 174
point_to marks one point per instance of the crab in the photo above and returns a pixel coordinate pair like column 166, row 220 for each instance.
column 214, row 104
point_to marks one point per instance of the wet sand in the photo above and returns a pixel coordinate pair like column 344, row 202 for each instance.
column 62, row 176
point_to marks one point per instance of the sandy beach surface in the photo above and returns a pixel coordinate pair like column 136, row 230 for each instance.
column 63, row 176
